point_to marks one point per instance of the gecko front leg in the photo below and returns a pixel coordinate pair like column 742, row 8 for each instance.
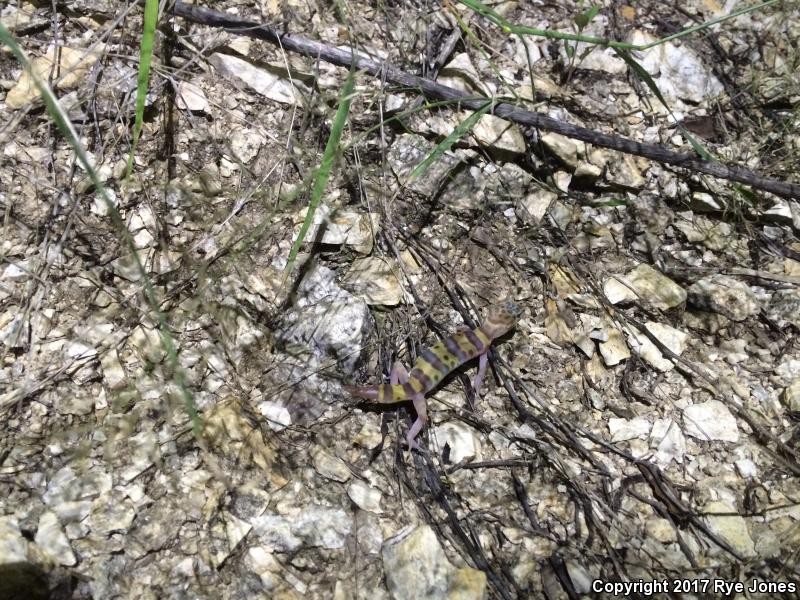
column 478, row 381
column 398, row 374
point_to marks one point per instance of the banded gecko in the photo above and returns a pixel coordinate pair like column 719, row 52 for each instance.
column 436, row 362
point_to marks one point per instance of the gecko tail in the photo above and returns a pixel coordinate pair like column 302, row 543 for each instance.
column 369, row 392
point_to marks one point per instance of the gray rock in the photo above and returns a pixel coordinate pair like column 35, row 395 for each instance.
column 51, row 539
column 791, row 397
column 724, row 295
column 276, row 533
column 322, row 526
column 408, row 151
column 647, row 284
column 331, row 467
column 731, row 527
column 417, row 567
column 784, row 307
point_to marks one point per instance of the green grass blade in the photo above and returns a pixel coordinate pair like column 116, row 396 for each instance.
column 648, row 80
column 642, row 74
column 479, row 45
column 70, row 135
column 460, row 131
column 509, row 27
column 480, row 8
column 583, row 19
column 696, row 145
column 67, row 130
column 612, row 202
column 711, row 23
column 145, row 61
column 324, row 170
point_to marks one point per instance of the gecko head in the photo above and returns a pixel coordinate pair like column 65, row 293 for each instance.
column 502, row 318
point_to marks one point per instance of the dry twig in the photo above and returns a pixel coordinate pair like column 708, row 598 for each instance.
column 431, row 89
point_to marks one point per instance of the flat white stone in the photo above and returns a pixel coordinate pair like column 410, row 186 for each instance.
column 746, row 467
column 463, row 440
column 497, row 133
column 615, row 350
column 668, row 440
column 276, row 415
column 710, row 420
column 191, row 97
column 533, row 207
column 268, row 83
column 617, row 290
column 641, row 345
column 628, row 429
column 672, row 338
column 16, row 271
column 566, row 149
column 365, row 496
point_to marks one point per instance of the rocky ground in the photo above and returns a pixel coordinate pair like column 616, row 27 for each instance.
column 639, row 425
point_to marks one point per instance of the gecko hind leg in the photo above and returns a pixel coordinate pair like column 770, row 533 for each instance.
column 421, row 406
column 399, row 375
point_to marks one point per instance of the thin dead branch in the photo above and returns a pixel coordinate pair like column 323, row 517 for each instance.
column 433, row 90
